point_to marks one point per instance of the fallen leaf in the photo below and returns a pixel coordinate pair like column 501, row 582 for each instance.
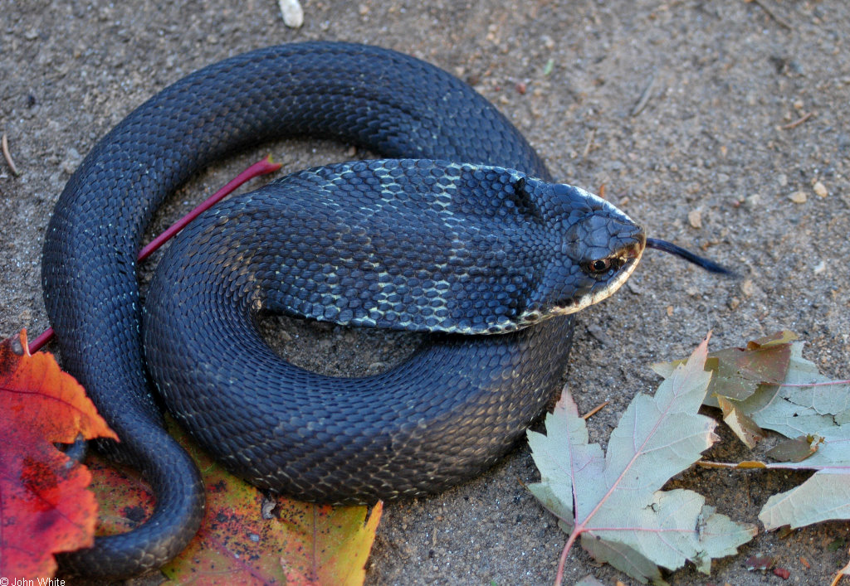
column 795, row 450
column 796, row 411
column 327, row 545
column 293, row 543
column 825, row 496
column 124, row 500
column 814, row 413
column 625, row 559
column 740, row 424
column 739, row 372
column 44, row 504
column 613, row 502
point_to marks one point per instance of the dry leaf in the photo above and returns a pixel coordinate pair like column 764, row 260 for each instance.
column 44, row 504
column 614, row 501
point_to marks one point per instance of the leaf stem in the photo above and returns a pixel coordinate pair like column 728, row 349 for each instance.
column 40, row 340
column 823, row 384
column 263, row 167
column 559, row 577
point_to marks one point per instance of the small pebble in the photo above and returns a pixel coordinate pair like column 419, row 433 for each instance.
column 293, row 14
column 820, row 189
column 267, row 508
column 752, row 201
column 72, row 160
column 633, row 287
column 600, row 335
column 695, row 218
column 798, row 197
column 747, row 288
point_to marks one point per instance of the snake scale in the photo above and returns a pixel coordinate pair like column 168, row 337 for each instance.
column 444, row 415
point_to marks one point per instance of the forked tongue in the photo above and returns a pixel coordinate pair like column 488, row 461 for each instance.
column 703, row 263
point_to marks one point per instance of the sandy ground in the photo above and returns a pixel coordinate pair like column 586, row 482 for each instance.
column 725, row 83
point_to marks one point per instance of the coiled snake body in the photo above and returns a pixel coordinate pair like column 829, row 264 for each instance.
column 445, row 414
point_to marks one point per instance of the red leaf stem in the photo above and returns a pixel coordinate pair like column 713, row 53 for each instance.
column 262, row 167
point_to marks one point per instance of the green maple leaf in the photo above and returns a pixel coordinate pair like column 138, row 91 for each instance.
column 613, row 502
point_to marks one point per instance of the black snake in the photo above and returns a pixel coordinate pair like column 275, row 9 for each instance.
column 444, row 415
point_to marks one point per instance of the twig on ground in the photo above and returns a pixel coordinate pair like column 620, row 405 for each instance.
column 797, row 122
column 779, row 20
column 595, row 410
column 8, row 156
column 588, row 146
column 644, row 97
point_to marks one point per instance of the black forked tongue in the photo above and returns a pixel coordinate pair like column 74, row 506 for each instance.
column 703, row 263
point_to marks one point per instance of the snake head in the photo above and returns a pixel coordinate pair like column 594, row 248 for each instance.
column 600, row 246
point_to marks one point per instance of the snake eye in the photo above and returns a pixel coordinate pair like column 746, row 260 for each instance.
column 597, row 266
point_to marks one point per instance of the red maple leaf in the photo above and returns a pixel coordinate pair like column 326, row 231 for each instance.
column 45, row 506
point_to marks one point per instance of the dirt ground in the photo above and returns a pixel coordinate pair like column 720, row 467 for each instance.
column 709, row 159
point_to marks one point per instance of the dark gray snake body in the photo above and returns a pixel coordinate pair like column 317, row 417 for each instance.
column 444, row 415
